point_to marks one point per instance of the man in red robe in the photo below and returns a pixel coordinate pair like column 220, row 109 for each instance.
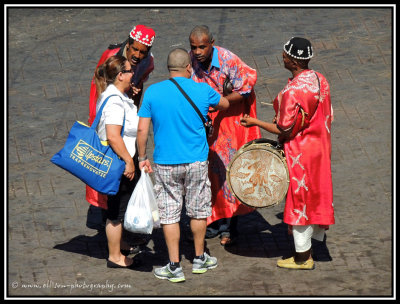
column 217, row 66
column 303, row 122
column 137, row 50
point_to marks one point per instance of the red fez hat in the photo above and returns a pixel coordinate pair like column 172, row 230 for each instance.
column 143, row 34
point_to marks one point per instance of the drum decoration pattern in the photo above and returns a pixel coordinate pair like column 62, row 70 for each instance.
column 258, row 175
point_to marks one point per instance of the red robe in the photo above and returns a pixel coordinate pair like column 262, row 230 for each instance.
column 229, row 135
column 310, row 196
column 142, row 71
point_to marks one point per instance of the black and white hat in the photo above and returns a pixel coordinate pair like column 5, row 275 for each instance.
column 299, row 48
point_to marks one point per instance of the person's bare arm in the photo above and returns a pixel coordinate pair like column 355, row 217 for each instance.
column 117, row 144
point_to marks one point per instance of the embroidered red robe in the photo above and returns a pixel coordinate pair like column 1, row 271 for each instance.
column 310, row 196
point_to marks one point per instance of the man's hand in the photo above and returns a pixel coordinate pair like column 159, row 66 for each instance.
column 135, row 90
column 146, row 165
column 247, row 121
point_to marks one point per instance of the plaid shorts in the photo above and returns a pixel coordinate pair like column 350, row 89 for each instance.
column 173, row 182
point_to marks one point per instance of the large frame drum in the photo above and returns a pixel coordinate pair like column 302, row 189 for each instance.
column 258, row 175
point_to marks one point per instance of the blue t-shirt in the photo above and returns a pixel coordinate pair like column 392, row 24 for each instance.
column 179, row 134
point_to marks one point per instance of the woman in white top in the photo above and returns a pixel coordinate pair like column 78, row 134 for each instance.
column 114, row 78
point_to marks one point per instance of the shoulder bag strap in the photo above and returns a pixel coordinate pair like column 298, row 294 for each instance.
column 190, row 101
column 98, row 115
column 319, row 89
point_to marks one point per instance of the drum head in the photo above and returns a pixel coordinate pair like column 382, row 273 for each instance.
column 258, row 175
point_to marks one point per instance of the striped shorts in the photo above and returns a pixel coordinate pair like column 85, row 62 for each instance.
column 174, row 182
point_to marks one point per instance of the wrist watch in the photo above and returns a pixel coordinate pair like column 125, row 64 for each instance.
column 142, row 158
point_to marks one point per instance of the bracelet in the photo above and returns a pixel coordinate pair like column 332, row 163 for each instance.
column 142, row 158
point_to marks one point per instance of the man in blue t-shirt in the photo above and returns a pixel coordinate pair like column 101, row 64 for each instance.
column 180, row 158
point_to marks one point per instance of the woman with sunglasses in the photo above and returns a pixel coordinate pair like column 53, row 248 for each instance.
column 113, row 78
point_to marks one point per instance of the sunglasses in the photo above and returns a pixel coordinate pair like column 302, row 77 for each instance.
column 127, row 71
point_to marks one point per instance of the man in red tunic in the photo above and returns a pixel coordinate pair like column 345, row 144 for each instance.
column 303, row 122
column 218, row 66
column 137, row 50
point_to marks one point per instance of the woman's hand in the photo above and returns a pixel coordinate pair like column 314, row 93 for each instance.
column 129, row 170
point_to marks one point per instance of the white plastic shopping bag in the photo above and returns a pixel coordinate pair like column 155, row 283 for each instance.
column 152, row 200
column 141, row 215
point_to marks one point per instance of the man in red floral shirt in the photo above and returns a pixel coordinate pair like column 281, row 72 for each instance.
column 217, row 66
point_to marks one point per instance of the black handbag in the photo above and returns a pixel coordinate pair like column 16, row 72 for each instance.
column 207, row 123
column 227, row 87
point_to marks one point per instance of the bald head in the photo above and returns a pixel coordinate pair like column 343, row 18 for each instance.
column 178, row 60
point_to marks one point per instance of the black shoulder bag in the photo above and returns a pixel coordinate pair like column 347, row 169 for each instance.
column 207, row 123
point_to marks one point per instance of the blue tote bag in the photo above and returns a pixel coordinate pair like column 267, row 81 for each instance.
column 92, row 161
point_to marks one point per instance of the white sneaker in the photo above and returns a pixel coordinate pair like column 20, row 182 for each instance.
column 165, row 273
column 201, row 266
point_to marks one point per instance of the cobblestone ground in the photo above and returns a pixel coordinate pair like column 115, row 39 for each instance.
column 51, row 56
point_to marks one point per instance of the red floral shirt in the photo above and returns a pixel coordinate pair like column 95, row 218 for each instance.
column 229, row 135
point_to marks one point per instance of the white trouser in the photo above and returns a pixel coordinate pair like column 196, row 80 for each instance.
column 302, row 236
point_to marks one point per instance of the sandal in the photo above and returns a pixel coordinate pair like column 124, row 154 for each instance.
column 135, row 263
column 132, row 250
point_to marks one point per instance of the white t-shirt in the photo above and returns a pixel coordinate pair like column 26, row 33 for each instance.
column 113, row 114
